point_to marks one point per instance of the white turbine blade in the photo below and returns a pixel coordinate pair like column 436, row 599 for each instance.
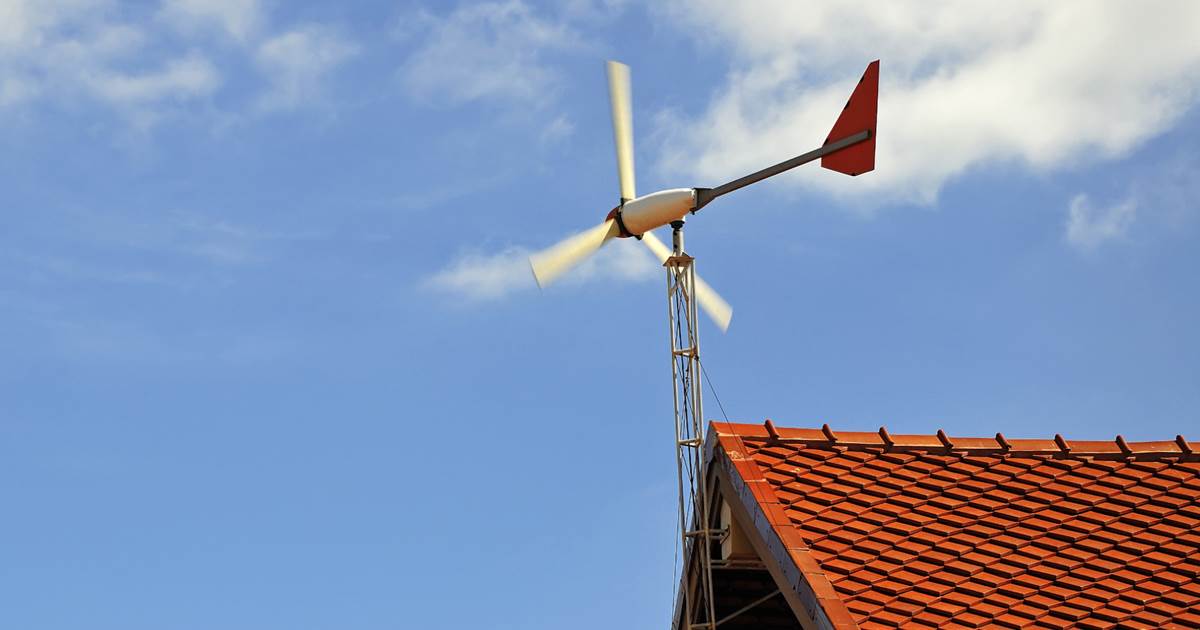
column 660, row 249
column 713, row 304
column 553, row 261
column 621, row 99
column 709, row 300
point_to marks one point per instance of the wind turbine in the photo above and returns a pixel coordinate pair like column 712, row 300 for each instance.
column 849, row 148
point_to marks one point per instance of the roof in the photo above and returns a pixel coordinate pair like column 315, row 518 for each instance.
column 936, row 531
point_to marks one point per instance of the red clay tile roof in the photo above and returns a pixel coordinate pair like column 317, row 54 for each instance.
column 938, row 531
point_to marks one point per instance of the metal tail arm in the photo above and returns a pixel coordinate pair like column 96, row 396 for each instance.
column 706, row 195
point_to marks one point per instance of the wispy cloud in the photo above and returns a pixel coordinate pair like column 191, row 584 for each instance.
column 296, row 62
column 163, row 248
column 213, row 241
column 89, row 337
column 49, row 266
column 238, row 19
column 1089, row 227
column 71, row 49
column 485, row 276
column 487, row 51
column 453, row 190
column 557, row 130
column 182, row 78
column 67, row 281
column 482, row 277
column 80, row 51
column 1043, row 85
column 1170, row 189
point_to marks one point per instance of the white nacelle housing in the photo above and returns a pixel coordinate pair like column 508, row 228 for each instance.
column 646, row 213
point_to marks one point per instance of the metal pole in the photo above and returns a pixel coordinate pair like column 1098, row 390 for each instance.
column 705, row 195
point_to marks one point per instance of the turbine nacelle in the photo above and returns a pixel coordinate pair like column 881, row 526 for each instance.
column 635, row 217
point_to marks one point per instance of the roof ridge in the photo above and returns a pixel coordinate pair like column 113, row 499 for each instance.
column 941, row 443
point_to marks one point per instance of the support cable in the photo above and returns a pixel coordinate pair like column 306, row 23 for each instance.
column 713, row 390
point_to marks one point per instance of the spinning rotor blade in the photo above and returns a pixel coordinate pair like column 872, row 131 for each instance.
column 621, row 100
column 709, row 300
column 552, row 262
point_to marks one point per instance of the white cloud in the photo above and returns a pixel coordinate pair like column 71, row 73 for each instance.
column 1089, row 227
column 180, row 79
column 483, row 276
column 14, row 90
column 493, row 276
column 557, row 130
column 1168, row 192
column 600, row 11
column 493, row 50
column 24, row 22
column 70, row 49
column 35, row 266
column 239, row 19
column 1043, row 85
column 204, row 238
column 296, row 62
column 75, row 51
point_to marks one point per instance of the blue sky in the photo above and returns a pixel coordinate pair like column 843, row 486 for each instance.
column 274, row 358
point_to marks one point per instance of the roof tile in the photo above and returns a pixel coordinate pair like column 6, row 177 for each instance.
column 1048, row 533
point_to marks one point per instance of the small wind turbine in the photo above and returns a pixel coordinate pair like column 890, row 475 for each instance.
column 849, row 148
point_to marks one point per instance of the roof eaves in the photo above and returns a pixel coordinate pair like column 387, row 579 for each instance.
column 755, row 498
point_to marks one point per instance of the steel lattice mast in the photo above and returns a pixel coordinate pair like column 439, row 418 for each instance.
column 698, row 608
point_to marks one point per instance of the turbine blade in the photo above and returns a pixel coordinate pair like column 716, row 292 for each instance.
column 660, row 249
column 621, row 100
column 709, row 300
column 713, row 304
column 554, row 261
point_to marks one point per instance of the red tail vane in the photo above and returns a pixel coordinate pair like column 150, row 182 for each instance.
column 858, row 115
